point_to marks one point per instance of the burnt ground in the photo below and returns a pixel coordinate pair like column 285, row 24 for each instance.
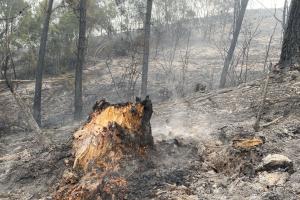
column 200, row 163
column 193, row 158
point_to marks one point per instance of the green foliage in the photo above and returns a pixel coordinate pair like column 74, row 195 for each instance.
column 62, row 42
column 12, row 15
column 63, row 33
column 100, row 15
column 10, row 8
column 62, row 36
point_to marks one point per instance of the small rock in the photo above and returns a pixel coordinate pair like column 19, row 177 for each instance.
column 273, row 178
column 219, row 143
column 272, row 196
column 70, row 177
column 274, row 162
column 67, row 162
column 176, row 142
column 211, row 172
column 296, row 130
column 294, row 75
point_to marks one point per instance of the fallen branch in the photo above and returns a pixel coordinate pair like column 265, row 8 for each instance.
column 223, row 91
column 25, row 110
column 272, row 122
column 30, row 120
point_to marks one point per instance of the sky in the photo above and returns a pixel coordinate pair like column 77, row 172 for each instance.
column 265, row 3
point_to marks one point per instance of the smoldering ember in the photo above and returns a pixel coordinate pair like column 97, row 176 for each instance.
column 149, row 99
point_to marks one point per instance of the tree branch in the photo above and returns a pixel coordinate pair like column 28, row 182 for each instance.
column 17, row 15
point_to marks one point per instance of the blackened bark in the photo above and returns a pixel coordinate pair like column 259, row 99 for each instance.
column 146, row 49
column 4, row 67
column 234, row 40
column 290, row 52
column 80, row 60
column 146, row 126
column 40, row 66
column 284, row 15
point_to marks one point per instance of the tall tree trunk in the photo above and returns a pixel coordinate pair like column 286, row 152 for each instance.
column 236, row 32
column 284, row 15
column 290, row 52
column 6, row 55
column 40, row 66
column 80, row 60
column 146, row 49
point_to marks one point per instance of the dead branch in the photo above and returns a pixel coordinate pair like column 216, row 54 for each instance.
column 30, row 120
column 17, row 15
column 269, row 46
column 256, row 125
column 107, row 61
column 272, row 122
column 277, row 19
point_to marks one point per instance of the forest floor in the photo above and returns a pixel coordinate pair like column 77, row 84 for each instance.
column 194, row 156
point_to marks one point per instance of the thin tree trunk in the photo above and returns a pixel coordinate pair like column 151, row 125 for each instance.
column 234, row 40
column 7, row 44
column 24, row 109
column 146, row 49
column 80, row 60
column 40, row 66
column 290, row 52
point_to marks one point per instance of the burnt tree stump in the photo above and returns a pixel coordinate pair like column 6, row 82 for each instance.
column 106, row 150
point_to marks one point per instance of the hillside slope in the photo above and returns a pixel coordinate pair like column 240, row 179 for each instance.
column 194, row 157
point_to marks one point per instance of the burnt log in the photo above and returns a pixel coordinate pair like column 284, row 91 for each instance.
column 106, row 150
